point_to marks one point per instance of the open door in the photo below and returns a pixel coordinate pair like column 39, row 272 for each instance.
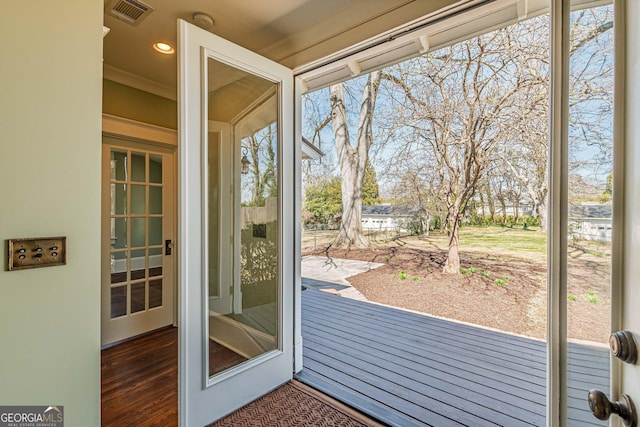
column 625, row 364
column 236, row 226
column 629, row 130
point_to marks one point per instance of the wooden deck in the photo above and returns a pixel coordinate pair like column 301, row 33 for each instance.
column 408, row 369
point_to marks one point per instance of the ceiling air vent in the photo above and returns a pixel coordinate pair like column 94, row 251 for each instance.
column 131, row 11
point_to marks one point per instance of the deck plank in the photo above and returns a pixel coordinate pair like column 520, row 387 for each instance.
column 426, row 364
column 406, row 368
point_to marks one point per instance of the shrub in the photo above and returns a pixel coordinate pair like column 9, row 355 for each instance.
column 591, row 296
column 502, row 281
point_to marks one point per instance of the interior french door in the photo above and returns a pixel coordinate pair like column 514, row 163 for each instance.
column 137, row 233
column 236, row 226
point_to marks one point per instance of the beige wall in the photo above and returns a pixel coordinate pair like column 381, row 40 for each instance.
column 134, row 104
column 50, row 120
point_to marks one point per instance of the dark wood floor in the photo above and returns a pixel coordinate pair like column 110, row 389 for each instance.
column 407, row 369
column 221, row 358
column 140, row 382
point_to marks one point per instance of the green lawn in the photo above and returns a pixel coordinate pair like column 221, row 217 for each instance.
column 493, row 239
column 497, row 240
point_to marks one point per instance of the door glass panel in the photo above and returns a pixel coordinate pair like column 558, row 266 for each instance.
column 118, row 233
column 155, row 231
column 590, row 207
column 138, row 264
column 138, row 167
column 138, row 199
column 138, row 232
column 137, row 297
column 155, row 262
column 118, row 267
column 155, row 200
column 155, row 293
column 118, row 199
column 118, row 165
column 250, row 104
column 155, row 169
column 118, row 301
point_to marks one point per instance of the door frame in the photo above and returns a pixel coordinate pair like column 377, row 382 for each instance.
column 315, row 76
column 151, row 135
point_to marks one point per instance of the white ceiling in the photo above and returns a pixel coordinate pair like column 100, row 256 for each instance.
column 292, row 32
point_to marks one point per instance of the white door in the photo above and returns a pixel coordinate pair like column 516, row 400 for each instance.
column 236, row 235
column 630, row 296
column 625, row 298
column 137, row 233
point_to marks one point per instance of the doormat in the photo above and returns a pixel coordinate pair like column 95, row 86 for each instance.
column 295, row 404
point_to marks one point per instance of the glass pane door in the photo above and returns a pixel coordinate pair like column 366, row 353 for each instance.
column 136, row 232
column 237, row 226
column 137, row 297
column 590, row 213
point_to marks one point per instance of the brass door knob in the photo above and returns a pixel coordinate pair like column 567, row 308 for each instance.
column 623, row 346
column 602, row 407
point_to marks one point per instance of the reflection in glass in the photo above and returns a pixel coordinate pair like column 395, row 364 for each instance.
column 155, row 293
column 118, row 301
column 155, row 200
column 137, row 297
column 213, row 192
column 118, row 233
column 155, row 169
column 155, row 262
column 243, row 289
column 118, row 165
column 138, row 199
column 138, row 264
column 155, row 231
column 138, row 232
column 590, row 204
column 118, row 267
column 138, row 167
column 118, row 199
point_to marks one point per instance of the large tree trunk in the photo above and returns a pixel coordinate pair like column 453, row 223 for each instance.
column 542, row 214
column 503, row 205
column 492, row 206
column 350, row 234
column 452, row 265
column 353, row 160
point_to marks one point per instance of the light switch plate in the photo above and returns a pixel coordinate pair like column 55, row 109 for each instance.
column 37, row 252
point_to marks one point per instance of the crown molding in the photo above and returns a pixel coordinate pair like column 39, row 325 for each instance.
column 129, row 79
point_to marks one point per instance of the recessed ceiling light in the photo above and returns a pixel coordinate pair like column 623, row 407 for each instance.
column 165, row 48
